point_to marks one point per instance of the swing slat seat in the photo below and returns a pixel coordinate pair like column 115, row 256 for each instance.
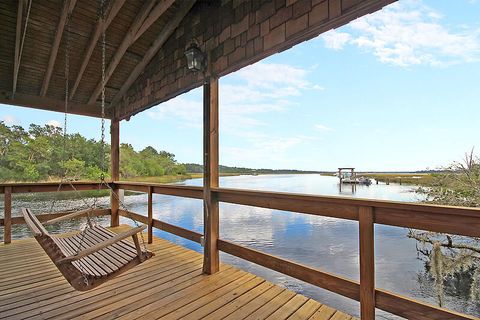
column 91, row 258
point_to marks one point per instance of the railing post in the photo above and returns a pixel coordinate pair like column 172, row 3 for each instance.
column 150, row 214
column 7, row 222
column 115, row 170
column 210, row 177
column 367, row 263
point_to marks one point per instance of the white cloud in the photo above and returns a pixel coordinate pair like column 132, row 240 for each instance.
column 10, row 120
column 187, row 112
column 409, row 33
column 262, row 88
column 259, row 88
column 336, row 40
column 54, row 123
column 322, row 127
column 318, row 87
column 273, row 76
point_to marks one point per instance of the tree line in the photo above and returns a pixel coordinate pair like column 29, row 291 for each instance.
column 42, row 153
column 453, row 261
column 198, row 168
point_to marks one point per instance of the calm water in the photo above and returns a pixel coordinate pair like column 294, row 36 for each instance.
column 326, row 243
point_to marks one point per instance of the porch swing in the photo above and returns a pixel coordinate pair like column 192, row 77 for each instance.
column 95, row 254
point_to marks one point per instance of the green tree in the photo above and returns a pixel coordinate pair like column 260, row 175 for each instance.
column 43, row 152
column 74, row 168
column 450, row 257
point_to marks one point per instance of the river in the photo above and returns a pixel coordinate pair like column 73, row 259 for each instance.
column 321, row 242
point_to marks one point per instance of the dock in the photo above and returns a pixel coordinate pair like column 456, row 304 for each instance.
column 158, row 50
column 168, row 286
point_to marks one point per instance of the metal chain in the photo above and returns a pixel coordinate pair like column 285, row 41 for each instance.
column 124, row 207
column 102, row 153
column 64, row 131
column 64, row 151
column 67, row 75
column 80, row 265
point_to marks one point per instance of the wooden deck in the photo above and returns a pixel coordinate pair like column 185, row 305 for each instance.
column 168, row 286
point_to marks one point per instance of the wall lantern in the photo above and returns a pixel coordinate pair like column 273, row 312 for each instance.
column 195, row 58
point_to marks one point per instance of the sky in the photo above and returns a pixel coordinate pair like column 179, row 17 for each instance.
column 397, row 90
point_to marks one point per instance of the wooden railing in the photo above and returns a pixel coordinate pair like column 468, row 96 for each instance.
column 10, row 189
column 454, row 220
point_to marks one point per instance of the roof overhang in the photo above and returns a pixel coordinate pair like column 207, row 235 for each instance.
column 145, row 45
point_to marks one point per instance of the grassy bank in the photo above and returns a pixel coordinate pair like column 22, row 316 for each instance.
column 160, row 179
column 173, row 178
column 422, row 179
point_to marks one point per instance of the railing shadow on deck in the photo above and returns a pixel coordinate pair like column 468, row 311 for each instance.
column 453, row 220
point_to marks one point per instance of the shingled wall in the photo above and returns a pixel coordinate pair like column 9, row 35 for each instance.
column 235, row 33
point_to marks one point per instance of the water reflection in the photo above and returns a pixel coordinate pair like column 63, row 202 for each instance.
column 327, row 243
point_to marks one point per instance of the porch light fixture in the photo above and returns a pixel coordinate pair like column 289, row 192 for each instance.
column 195, row 58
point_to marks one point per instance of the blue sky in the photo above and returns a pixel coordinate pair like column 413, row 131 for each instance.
column 395, row 90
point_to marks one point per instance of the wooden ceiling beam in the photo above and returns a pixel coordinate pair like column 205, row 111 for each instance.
column 102, row 24
column 154, row 15
column 67, row 9
column 18, row 36
column 50, row 104
column 126, row 42
column 166, row 32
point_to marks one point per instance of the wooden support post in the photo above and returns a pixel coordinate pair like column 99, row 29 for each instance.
column 210, row 178
column 115, row 170
column 150, row 214
column 7, row 233
column 367, row 264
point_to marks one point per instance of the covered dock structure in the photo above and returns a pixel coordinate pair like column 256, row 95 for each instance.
column 145, row 48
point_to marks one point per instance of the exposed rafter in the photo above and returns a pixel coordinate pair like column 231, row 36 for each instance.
column 112, row 11
column 157, row 44
column 127, row 41
column 50, row 104
column 67, row 9
column 156, row 13
column 18, row 36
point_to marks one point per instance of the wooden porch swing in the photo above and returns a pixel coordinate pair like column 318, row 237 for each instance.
column 92, row 257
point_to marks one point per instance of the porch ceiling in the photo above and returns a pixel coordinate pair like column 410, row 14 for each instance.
column 145, row 41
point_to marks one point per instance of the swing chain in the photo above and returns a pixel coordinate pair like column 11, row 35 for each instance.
column 124, row 207
column 64, row 178
column 102, row 155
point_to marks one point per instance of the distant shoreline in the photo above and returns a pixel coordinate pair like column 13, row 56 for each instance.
column 412, row 178
column 415, row 178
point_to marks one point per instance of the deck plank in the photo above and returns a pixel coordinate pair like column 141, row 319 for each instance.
column 168, row 286
column 288, row 308
column 242, row 304
column 255, row 304
column 211, row 302
column 324, row 313
column 306, row 311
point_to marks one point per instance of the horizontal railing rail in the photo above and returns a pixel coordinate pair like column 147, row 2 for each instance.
column 42, row 217
column 51, row 186
column 446, row 219
column 454, row 220
column 8, row 189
